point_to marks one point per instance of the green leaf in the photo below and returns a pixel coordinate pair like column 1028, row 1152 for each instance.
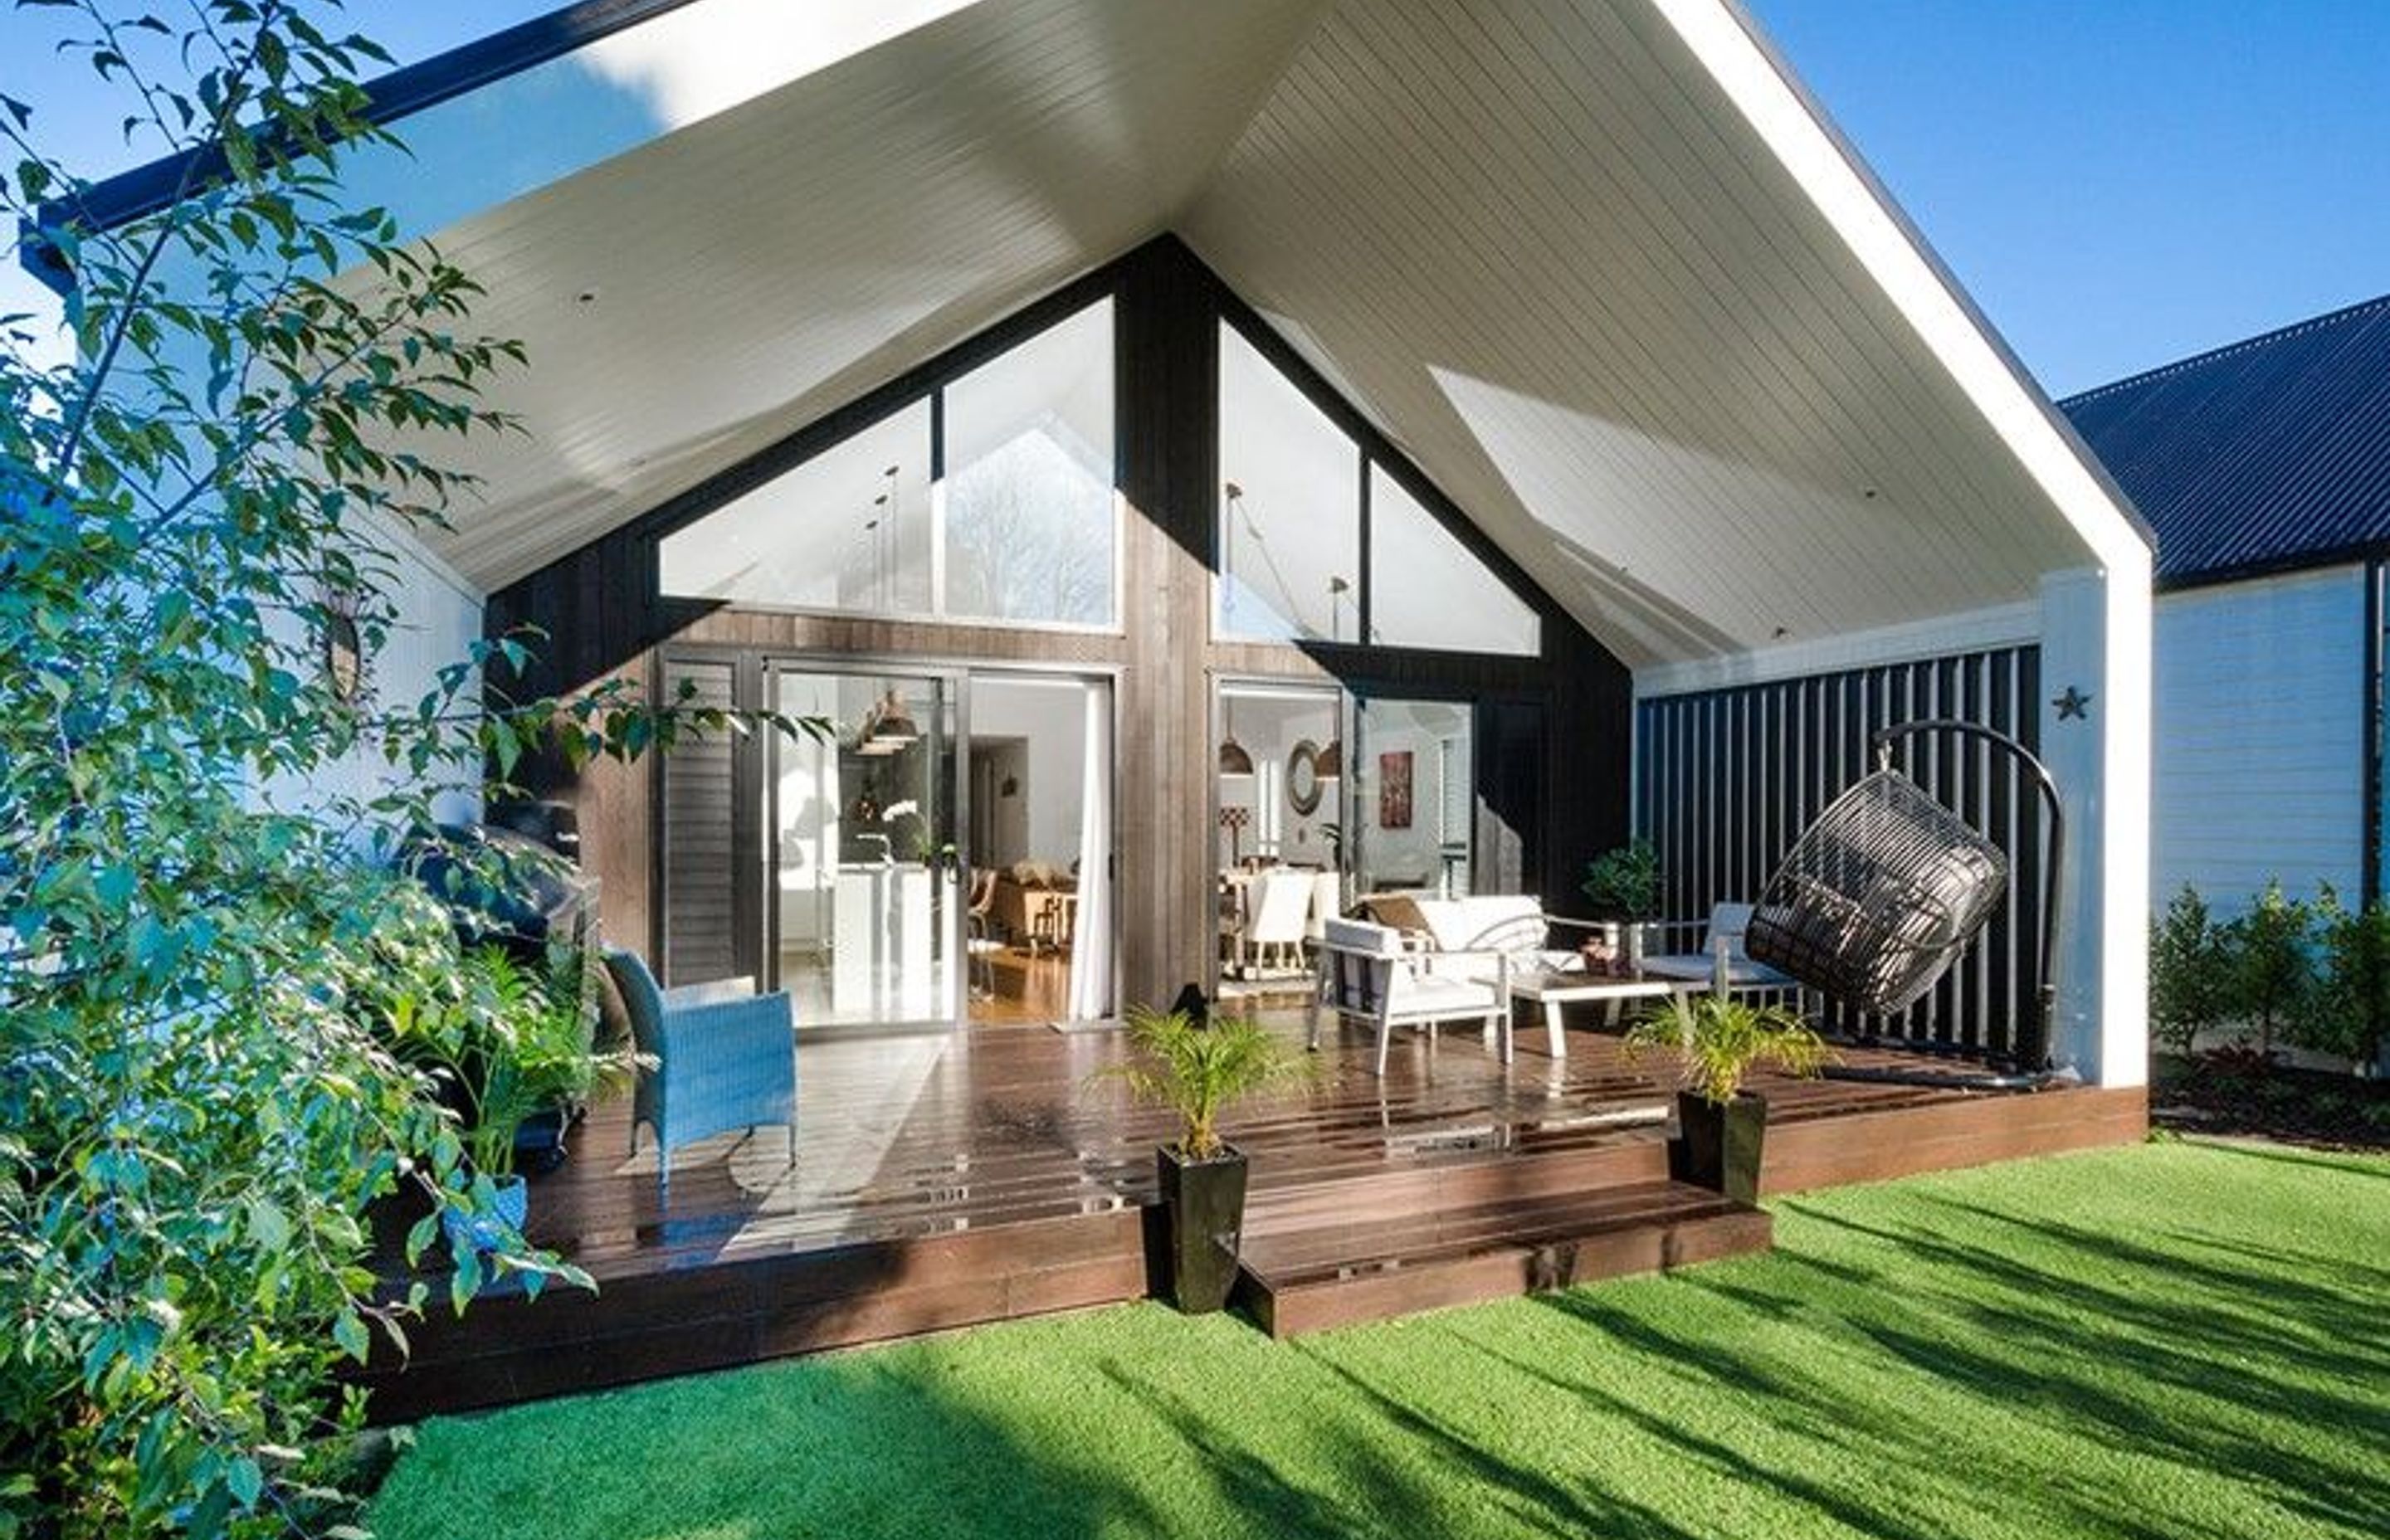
column 349, row 1332
column 268, row 1225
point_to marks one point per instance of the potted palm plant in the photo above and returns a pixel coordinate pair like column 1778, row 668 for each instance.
column 1624, row 886
column 513, row 1045
column 1198, row 1070
column 1722, row 1128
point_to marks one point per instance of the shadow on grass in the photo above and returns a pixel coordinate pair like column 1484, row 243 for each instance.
column 1952, row 1358
column 1406, row 1474
column 2058, row 1325
column 2374, row 1166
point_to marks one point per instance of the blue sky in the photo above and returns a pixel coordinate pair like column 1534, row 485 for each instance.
column 2118, row 182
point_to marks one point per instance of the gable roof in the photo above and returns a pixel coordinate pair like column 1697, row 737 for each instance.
column 1597, row 267
column 2267, row 455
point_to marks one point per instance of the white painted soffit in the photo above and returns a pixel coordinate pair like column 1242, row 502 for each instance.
column 1605, row 276
column 761, row 257
column 1593, row 263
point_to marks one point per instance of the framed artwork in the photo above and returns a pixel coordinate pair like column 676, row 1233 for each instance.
column 1394, row 788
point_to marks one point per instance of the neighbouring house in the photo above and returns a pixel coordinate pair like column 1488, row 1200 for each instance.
column 2263, row 468
column 1400, row 444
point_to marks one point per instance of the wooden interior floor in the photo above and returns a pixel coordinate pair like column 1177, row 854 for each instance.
column 1018, row 987
column 942, row 1179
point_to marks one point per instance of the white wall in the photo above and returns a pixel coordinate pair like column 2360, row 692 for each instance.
column 437, row 618
column 1269, row 727
column 2260, row 737
column 1051, row 717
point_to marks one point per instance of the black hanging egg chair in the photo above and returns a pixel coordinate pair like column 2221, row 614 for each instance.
column 1888, row 886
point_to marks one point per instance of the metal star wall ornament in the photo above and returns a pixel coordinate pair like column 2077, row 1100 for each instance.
column 2073, row 703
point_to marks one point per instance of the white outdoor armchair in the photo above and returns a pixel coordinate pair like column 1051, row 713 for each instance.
column 1367, row 975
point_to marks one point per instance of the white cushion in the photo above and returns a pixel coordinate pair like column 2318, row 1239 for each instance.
column 1495, row 922
column 1359, row 935
column 1425, row 994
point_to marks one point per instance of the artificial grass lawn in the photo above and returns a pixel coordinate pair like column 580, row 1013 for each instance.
column 2175, row 1340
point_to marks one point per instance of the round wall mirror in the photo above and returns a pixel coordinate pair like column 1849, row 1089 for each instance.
column 1302, row 778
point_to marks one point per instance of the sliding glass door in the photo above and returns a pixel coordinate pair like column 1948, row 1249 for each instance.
column 1414, row 796
column 864, row 897
column 943, row 853
column 1038, row 928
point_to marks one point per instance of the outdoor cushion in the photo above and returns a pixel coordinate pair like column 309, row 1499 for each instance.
column 1484, row 923
column 1729, row 922
column 1359, row 935
column 1399, row 910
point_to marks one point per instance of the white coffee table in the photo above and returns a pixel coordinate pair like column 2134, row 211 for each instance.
column 1555, row 987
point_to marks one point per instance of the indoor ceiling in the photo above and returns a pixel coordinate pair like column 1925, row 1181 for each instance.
column 1539, row 242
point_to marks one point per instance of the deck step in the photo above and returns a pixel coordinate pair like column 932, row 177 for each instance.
column 1380, row 1262
column 1432, row 1178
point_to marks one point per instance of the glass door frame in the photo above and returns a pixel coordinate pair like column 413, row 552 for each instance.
column 1109, row 677
column 1358, row 695
column 957, row 675
column 1222, row 683
column 952, row 860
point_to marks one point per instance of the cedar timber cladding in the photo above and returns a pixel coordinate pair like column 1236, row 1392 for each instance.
column 1554, row 767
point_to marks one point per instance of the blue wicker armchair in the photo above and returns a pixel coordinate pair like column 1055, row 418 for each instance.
column 719, row 1057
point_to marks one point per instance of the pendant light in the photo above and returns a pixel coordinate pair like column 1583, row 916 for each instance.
column 890, row 730
column 1234, row 760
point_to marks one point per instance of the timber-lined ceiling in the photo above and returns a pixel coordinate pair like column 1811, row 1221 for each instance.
column 1533, row 239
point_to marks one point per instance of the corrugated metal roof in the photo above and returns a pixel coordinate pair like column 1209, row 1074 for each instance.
column 2268, row 455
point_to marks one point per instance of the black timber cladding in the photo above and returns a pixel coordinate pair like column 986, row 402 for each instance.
column 1729, row 778
column 2271, row 454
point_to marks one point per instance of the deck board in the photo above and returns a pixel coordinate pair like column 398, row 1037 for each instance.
column 944, row 1180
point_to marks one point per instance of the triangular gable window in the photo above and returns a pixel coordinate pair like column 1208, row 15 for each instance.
column 989, row 498
column 1426, row 589
column 1297, row 493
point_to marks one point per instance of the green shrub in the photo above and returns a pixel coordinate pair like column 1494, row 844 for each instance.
column 1723, row 1039
column 513, row 1044
column 2191, row 972
column 207, row 999
column 2354, row 1002
column 1624, row 883
column 2274, row 970
column 1200, row 1070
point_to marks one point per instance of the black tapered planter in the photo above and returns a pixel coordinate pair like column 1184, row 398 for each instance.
column 1203, row 1212
column 1719, row 1147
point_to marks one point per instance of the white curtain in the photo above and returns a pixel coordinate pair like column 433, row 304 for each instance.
column 1091, row 937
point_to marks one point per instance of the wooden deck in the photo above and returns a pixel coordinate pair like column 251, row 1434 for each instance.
column 941, row 1181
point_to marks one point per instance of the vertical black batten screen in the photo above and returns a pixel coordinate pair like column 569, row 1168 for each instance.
column 1730, row 778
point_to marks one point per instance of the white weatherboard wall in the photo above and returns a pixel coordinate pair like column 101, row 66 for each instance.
column 2260, row 737
column 438, row 618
